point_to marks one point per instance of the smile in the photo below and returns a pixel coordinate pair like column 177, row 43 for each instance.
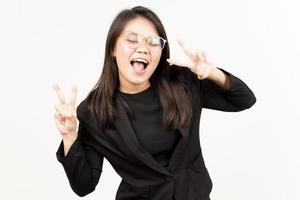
column 139, row 63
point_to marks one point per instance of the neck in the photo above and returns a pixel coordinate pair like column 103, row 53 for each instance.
column 132, row 89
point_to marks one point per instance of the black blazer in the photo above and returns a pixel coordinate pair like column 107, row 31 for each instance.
column 185, row 178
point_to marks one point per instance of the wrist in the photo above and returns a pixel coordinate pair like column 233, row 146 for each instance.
column 220, row 78
column 68, row 139
column 214, row 74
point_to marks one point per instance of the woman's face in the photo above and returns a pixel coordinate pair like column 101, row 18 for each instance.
column 136, row 65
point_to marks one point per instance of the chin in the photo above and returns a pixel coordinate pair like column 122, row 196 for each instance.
column 139, row 82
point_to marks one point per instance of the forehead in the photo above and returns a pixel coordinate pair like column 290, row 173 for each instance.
column 142, row 26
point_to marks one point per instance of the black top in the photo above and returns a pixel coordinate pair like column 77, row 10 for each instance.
column 185, row 177
column 146, row 120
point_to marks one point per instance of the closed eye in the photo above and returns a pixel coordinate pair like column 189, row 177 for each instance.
column 131, row 41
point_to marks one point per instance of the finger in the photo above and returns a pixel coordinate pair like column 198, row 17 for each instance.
column 59, row 125
column 201, row 77
column 73, row 95
column 58, row 108
column 74, row 114
column 179, row 63
column 59, row 93
column 202, row 73
column 59, row 117
column 184, row 47
column 199, row 74
column 206, row 57
column 66, row 111
column 200, row 56
column 196, row 70
column 67, row 114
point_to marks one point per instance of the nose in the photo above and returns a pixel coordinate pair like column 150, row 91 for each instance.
column 142, row 48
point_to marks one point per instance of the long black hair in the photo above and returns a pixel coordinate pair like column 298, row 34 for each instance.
column 166, row 81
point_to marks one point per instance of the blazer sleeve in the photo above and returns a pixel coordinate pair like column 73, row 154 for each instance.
column 82, row 164
column 237, row 98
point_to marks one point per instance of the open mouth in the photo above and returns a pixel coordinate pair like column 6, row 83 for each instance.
column 139, row 64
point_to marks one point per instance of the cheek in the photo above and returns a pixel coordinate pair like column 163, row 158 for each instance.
column 122, row 56
column 156, row 59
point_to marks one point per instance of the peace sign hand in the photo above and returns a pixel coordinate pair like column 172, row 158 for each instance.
column 65, row 114
column 199, row 62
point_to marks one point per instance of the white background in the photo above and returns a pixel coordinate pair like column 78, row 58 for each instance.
column 253, row 154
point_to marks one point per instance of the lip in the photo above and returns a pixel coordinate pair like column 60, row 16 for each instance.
column 141, row 57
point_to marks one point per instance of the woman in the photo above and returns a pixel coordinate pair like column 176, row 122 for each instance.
column 143, row 115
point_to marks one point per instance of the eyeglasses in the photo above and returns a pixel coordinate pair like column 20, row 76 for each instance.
column 134, row 40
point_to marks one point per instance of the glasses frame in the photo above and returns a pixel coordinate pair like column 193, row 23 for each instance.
column 144, row 40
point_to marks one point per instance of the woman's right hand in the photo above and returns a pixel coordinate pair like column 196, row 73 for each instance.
column 65, row 116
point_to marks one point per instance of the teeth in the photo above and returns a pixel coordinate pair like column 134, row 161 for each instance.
column 140, row 60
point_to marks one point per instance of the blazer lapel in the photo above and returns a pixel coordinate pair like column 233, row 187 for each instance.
column 181, row 145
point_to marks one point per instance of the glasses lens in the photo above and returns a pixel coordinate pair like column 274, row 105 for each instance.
column 132, row 40
column 156, row 43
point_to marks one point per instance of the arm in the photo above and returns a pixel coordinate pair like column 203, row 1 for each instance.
column 82, row 164
column 220, row 79
column 218, row 89
column 225, row 92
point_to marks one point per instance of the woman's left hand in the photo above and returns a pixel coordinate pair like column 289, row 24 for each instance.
column 199, row 62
